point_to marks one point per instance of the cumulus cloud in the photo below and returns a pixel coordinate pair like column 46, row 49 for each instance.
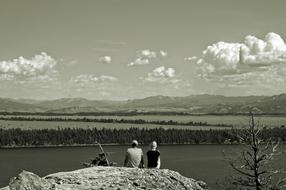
column 143, row 57
column 271, row 49
column 21, row 67
column 94, row 78
column 161, row 75
column 163, row 72
column 93, row 86
column 147, row 53
column 191, row 59
column 255, row 62
column 85, row 79
column 254, row 54
column 164, row 81
column 256, row 66
column 36, row 77
column 139, row 61
column 105, row 59
column 163, row 53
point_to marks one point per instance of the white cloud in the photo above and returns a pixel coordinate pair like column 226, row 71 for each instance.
column 147, row 54
column 21, row 67
column 161, row 75
column 164, row 81
column 107, row 78
column 105, row 59
column 85, row 79
column 163, row 72
column 224, row 58
column 37, row 77
column 143, row 57
column 256, row 63
column 257, row 51
column 139, row 61
column 191, row 59
column 163, row 53
column 93, row 86
column 7, row 77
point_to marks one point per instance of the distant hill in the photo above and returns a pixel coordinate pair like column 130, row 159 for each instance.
column 195, row 104
column 10, row 105
column 77, row 102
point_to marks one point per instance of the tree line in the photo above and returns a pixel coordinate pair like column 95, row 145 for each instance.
column 135, row 113
column 112, row 120
column 103, row 113
column 76, row 136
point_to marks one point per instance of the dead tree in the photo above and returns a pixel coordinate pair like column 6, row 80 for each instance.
column 253, row 165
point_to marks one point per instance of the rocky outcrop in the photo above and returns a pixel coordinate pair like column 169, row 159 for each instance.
column 106, row 178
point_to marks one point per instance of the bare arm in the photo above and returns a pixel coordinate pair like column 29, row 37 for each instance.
column 126, row 160
column 142, row 161
column 158, row 163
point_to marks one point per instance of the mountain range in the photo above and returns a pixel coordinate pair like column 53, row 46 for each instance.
column 193, row 104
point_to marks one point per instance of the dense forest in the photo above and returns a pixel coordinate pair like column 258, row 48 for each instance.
column 77, row 136
column 111, row 120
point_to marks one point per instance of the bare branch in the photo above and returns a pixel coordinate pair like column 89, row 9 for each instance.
column 253, row 164
column 241, row 171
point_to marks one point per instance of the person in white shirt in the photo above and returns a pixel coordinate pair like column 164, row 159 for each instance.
column 134, row 156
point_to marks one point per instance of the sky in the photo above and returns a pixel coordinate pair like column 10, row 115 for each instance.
column 128, row 49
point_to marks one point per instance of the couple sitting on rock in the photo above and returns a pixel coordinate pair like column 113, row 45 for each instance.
column 134, row 156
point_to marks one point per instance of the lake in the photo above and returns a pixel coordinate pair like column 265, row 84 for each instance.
column 201, row 162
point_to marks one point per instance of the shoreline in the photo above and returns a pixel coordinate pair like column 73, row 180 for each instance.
column 113, row 144
column 93, row 145
column 117, row 121
column 96, row 114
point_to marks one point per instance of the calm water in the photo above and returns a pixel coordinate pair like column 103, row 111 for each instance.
column 202, row 162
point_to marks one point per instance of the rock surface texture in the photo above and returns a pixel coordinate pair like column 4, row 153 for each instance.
column 118, row 178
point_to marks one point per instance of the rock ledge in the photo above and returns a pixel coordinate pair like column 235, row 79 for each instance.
column 118, row 178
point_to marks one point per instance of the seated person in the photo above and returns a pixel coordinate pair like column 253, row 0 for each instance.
column 153, row 156
column 134, row 156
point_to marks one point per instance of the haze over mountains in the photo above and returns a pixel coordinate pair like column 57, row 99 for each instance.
column 195, row 104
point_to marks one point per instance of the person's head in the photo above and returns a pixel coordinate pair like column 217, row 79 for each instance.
column 134, row 143
column 153, row 145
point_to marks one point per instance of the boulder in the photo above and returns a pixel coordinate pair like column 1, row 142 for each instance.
column 106, row 178
column 27, row 180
